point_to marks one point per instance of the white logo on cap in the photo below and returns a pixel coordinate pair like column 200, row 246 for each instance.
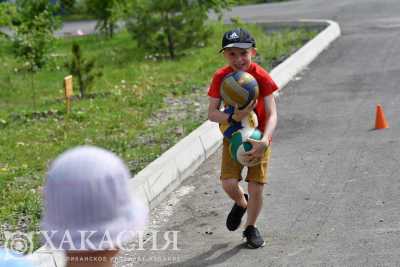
column 233, row 36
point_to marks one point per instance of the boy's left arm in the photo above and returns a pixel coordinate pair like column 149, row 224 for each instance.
column 259, row 146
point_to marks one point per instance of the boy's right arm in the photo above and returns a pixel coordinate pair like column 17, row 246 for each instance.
column 213, row 111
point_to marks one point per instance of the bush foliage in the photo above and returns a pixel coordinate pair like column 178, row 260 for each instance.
column 34, row 24
column 170, row 27
column 83, row 70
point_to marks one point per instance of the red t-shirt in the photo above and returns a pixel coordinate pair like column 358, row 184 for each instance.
column 265, row 83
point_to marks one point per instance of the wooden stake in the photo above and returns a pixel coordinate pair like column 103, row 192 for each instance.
column 68, row 89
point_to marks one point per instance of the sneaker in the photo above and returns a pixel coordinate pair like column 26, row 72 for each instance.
column 253, row 237
column 235, row 216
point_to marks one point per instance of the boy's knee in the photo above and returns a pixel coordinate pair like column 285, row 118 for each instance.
column 230, row 183
column 255, row 188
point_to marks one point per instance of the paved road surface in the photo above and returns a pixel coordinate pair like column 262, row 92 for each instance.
column 334, row 193
column 72, row 28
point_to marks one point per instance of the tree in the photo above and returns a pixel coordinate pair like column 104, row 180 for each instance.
column 170, row 27
column 67, row 6
column 34, row 25
column 82, row 69
column 107, row 13
column 7, row 11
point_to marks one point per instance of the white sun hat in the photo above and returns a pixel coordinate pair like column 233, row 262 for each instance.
column 9, row 259
column 87, row 205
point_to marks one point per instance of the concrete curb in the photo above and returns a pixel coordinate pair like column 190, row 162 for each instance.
column 167, row 172
column 285, row 71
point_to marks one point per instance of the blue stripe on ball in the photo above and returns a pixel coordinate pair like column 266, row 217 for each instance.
column 237, row 75
column 247, row 146
column 229, row 110
column 256, row 135
column 250, row 89
column 232, row 129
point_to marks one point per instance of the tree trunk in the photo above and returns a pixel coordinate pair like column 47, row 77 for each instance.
column 170, row 39
column 105, row 27
column 111, row 29
column 81, row 85
column 33, row 91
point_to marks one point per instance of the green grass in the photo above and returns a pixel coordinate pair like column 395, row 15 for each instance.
column 130, row 92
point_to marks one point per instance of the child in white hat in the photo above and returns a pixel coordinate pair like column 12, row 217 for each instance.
column 88, row 211
column 8, row 259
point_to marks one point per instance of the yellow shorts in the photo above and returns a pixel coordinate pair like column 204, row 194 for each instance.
column 230, row 169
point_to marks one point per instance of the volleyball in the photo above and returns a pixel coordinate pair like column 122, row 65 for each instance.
column 239, row 88
column 239, row 145
column 227, row 129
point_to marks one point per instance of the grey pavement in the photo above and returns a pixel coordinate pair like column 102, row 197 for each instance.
column 72, row 28
column 333, row 198
column 68, row 28
column 85, row 27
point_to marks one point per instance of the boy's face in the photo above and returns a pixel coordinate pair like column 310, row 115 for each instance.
column 239, row 58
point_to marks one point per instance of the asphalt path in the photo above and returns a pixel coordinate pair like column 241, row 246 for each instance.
column 77, row 28
column 333, row 198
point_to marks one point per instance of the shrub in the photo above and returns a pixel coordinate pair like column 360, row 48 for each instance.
column 82, row 69
column 34, row 25
column 170, row 27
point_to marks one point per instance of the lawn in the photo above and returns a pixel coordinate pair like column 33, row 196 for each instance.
column 139, row 108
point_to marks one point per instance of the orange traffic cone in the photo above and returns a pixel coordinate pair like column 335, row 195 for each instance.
column 380, row 120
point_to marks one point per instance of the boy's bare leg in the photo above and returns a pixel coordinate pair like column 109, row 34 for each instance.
column 255, row 202
column 234, row 191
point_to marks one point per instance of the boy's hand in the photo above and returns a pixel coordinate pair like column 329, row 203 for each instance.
column 240, row 114
column 257, row 152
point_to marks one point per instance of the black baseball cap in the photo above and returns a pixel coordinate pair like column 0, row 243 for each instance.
column 239, row 38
